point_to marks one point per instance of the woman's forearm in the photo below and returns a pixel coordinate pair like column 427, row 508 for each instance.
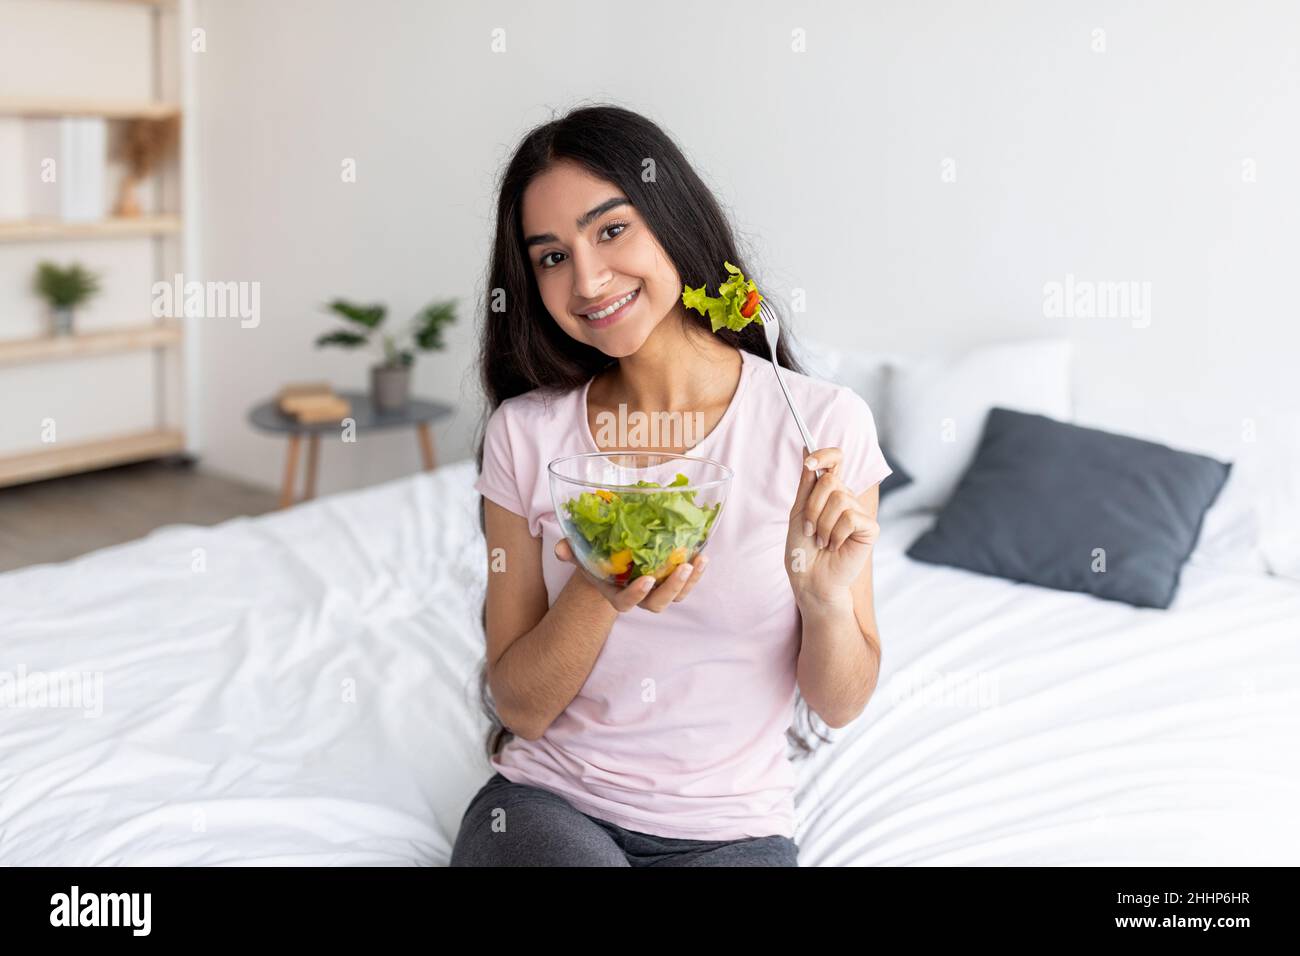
column 839, row 662
column 542, row 671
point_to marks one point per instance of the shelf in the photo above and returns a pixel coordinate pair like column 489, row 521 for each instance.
column 87, row 456
column 119, row 227
column 116, row 92
column 80, row 106
column 54, row 347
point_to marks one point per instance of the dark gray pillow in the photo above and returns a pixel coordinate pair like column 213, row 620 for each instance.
column 898, row 478
column 1041, row 496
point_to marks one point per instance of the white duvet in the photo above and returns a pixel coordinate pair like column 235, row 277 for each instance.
column 300, row 688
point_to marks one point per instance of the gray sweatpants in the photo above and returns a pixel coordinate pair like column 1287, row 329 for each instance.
column 542, row 828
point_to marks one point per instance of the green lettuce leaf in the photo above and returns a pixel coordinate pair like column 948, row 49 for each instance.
column 723, row 309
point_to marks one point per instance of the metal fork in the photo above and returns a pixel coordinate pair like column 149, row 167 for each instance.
column 773, row 332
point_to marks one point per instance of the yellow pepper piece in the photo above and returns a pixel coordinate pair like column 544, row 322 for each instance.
column 620, row 560
column 606, row 496
column 676, row 556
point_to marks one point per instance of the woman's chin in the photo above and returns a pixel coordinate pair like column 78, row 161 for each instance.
column 620, row 342
column 615, row 352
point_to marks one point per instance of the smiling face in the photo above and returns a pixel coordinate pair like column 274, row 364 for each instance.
column 589, row 250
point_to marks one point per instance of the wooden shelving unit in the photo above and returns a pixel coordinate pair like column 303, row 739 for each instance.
column 35, row 106
column 87, row 456
column 50, row 347
column 173, row 241
column 39, row 230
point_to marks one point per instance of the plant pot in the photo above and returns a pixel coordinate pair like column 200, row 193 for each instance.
column 61, row 320
column 390, row 387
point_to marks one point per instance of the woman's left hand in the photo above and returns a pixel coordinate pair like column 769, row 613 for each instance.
column 831, row 534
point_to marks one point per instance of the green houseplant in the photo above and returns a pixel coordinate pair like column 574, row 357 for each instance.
column 64, row 289
column 390, row 378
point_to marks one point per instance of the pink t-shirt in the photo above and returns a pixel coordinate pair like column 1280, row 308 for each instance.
column 680, row 728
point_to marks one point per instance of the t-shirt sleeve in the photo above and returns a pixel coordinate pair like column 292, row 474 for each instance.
column 498, row 478
column 853, row 430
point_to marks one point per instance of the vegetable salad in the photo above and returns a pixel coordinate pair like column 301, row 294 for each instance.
column 632, row 534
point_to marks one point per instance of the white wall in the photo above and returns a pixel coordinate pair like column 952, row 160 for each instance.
column 1111, row 166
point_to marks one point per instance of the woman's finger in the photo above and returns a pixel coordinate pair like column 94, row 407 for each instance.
column 815, row 510
column 854, row 522
column 838, row 502
column 700, row 563
column 629, row 597
column 668, row 588
column 827, row 458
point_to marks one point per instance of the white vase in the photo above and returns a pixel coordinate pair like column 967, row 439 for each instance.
column 61, row 320
column 390, row 387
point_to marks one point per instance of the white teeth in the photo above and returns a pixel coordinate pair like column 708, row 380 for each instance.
column 613, row 308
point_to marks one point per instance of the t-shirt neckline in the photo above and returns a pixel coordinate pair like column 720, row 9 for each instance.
column 747, row 360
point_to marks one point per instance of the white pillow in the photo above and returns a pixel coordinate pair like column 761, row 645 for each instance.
column 1275, row 474
column 817, row 358
column 867, row 373
column 1254, row 524
column 936, row 406
column 1230, row 533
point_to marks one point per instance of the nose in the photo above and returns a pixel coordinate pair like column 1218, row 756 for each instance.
column 590, row 275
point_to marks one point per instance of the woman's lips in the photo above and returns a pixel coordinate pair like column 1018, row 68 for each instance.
column 614, row 316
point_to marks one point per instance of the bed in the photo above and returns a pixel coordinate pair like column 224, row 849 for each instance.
column 300, row 689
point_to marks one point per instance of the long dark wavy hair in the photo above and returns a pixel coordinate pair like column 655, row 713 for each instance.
column 522, row 347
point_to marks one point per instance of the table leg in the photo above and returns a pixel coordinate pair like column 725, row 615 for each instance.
column 313, row 456
column 426, row 446
column 290, row 472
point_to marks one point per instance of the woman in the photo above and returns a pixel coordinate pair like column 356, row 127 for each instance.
column 647, row 725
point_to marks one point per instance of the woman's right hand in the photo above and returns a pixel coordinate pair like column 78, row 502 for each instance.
column 642, row 592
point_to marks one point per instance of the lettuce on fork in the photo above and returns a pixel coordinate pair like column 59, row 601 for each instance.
column 632, row 534
column 737, row 303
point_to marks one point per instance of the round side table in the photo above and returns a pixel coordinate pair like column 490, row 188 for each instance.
column 418, row 414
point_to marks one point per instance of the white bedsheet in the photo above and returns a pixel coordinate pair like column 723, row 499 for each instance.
column 300, row 688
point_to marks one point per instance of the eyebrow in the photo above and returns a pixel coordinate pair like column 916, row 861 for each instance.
column 583, row 221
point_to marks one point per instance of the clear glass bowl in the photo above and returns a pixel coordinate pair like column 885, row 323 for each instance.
column 619, row 529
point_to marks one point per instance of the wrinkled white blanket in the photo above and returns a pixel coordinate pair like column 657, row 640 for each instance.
column 300, row 688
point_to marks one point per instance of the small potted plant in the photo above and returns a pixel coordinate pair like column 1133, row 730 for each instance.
column 390, row 378
column 64, row 289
